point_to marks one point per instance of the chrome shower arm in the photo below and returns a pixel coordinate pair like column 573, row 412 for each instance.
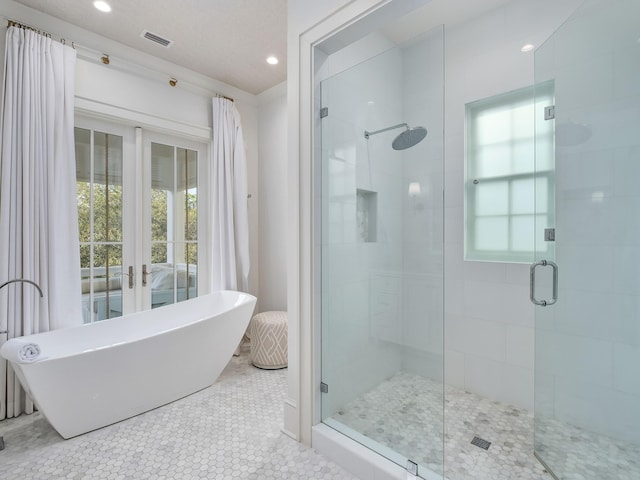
column 367, row 134
column 22, row 280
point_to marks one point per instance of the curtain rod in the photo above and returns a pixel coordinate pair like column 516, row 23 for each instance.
column 13, row 23
column 99, row 56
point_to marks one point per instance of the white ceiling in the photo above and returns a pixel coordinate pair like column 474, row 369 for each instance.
column 439, row 12
column 227, row 40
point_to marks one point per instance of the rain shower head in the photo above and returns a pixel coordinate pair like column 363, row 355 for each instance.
column 409, row 138
column 406, row 139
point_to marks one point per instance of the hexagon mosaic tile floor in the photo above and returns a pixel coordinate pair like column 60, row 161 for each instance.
column 405, row 413
column 230, row 430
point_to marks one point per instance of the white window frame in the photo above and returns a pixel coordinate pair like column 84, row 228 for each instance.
column 543, row 211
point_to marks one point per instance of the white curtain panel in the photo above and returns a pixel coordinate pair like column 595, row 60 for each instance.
column 229, row 222
column 38, row 206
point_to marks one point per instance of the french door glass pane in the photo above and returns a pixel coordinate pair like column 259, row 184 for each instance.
column 174, row 225
column 99, row 192
column 106, row 281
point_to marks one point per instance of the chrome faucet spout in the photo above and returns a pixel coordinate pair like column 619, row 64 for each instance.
column 22, row 280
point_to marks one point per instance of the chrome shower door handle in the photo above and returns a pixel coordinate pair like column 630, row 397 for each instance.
column 532, row 283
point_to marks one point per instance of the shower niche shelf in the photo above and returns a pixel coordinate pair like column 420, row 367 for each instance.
column 366, row 215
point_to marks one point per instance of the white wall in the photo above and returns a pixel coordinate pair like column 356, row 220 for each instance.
column 135, row 87
column 272, row 199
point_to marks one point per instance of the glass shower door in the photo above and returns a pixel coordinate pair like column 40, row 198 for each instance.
column 587, row 353
column 382, row 254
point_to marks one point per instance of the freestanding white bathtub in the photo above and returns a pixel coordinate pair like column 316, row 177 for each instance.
column 94, row 375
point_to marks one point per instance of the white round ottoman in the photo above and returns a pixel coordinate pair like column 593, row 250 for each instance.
column 269, row 336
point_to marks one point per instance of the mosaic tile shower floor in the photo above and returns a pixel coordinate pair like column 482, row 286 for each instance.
column 230, row 430
column 405, row 413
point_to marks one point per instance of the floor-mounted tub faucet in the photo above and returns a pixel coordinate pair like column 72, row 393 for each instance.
column 22, row 280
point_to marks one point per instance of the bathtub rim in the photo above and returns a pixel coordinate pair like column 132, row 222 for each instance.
column 243, row 298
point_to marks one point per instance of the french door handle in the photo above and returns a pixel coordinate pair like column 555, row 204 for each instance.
column 130, row 275
column 532, row 283
column 144, row 274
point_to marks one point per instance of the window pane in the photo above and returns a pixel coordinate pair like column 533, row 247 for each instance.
column 188, row 272
column 492, row 161
column 107, row 187
column 85, row 256
column 162, row 285
column 106, row 282
column 522, row 196
column 162, row 186
column 187, row 196
column 522, row 121
column 502, row 159
column 159, row 253
column 159, row 214
column 523, row 156
column 192, row 263
column 492, row 234
column 492, row 198
column 522, row 230
column 83, row 182
column 493, row 126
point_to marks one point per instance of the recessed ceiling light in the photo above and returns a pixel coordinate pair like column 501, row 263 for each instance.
column 102, row 6
column 527, row 48
column 272, row 60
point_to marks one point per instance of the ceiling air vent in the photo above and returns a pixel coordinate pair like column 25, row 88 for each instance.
column 156, row 38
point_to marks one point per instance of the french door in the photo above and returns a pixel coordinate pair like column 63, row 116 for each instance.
column 138, row 199
column 170, row 220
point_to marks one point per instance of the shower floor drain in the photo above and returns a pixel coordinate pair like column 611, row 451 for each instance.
column 479, row 442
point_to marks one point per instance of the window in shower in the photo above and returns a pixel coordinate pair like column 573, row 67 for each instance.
column 506, row 193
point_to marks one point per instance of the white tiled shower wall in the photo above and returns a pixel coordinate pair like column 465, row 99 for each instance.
column 489, row 320
column 591, row 340
column 489, row 329
column 423, row 233
column 488, row 316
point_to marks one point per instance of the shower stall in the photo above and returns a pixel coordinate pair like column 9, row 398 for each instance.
column 379, row 245
column 382, row 249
